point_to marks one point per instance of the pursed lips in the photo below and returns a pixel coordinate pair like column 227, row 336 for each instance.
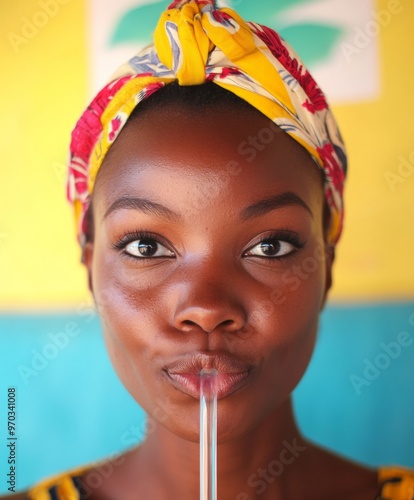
column 232, row 373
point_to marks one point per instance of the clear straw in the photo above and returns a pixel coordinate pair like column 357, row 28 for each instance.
column 208, row 434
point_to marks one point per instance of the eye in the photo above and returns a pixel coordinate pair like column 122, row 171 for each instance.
column 275, row 246
column 271, row 248
column 147, row 248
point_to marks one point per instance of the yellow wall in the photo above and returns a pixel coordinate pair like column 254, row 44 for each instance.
column 43, row 90
column 376, row 253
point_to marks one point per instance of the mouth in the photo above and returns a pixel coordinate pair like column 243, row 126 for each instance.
column 232, row 374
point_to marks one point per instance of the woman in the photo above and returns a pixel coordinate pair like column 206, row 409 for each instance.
column 202, row 176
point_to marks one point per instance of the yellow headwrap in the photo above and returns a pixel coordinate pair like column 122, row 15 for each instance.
column 195, row 42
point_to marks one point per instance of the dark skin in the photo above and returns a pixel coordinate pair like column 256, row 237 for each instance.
column 216, row 283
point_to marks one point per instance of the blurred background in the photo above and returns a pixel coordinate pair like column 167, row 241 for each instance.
column 357, row 396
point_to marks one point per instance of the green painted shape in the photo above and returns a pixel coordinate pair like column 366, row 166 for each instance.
column 138, row 24
column 313, row 42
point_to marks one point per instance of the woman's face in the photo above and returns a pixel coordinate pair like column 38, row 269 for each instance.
column 208, row 253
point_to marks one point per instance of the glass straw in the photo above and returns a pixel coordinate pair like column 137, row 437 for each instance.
column 208, row 434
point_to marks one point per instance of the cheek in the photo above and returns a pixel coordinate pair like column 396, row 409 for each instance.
column 122, row 293
column 133, row 332
column 287, row 325
column 129, row 323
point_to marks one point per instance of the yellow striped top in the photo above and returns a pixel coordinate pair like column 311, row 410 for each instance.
column 394, row 483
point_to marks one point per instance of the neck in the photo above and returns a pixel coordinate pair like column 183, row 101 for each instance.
column 258, row 464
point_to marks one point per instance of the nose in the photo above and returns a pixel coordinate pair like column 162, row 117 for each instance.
column 208, row 305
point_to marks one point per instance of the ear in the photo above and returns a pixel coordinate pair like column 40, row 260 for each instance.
column 87, row 260
column 329, row 260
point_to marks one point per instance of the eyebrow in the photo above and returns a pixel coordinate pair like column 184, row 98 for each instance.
column 262, row 207
column 143, row 205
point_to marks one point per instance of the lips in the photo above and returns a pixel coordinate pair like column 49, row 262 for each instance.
column 184, row 373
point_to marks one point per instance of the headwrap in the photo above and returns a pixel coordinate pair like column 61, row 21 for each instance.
column 197, row 42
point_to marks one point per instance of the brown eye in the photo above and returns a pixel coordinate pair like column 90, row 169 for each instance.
column 148, row 248
column 271, row 248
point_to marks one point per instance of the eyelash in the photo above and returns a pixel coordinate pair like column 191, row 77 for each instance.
column 137, row 235
column 280, row 235
column 127, row 238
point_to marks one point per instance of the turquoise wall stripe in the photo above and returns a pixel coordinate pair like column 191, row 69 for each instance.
column 357, row 396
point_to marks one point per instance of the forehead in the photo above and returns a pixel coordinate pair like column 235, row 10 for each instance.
column 178, row 148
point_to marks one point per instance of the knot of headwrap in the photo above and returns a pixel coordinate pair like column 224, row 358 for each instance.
column 195, row 42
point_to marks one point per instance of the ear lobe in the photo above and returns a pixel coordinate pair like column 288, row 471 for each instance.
column 87, row 259
column 330, row 257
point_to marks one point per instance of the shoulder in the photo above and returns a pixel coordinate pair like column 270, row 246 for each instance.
column 77, row 484
column 396, row 483
column 345, row 479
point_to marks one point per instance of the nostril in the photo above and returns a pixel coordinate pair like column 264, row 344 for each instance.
column 189, row 322
column 193, row 315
